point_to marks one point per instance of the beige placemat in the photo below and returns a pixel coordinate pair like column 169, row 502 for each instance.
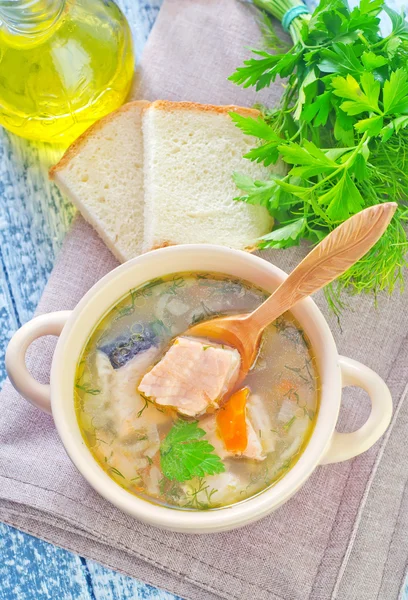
column 344, row 534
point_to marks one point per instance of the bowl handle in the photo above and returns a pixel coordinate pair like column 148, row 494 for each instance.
column 32, row 390
column 347, row 445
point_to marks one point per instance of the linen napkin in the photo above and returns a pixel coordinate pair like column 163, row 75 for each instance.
column 344, row 533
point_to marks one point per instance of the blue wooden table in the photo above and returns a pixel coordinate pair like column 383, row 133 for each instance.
column 33, row 221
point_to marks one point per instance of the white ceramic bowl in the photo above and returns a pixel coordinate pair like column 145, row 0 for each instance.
column 74, row 327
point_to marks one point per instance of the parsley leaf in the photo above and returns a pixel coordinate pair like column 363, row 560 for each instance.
column 319, row 110
column 284, row 237
column 372, row 61
column 396, row 92
column 399, row 24
column 267, row 154
column 261, row 193
column 394, row 126
column 340, row 59
column 367, row 6
column 343, row 199
column 184, row 455
column 257, row 127
column 361, row 101
column 372, row 126
column 308, row 154
column 259, row 72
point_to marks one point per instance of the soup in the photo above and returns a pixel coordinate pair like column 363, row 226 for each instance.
column 183, row 455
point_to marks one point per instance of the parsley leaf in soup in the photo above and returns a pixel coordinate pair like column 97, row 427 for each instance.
column 184, row 454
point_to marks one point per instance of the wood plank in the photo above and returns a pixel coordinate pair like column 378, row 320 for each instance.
column 141, row 17
column 8, row 317
column 109, row 585
column 34, row 219
column 33, row 569
column 404, row 593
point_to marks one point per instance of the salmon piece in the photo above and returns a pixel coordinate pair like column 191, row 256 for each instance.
column 192, row 376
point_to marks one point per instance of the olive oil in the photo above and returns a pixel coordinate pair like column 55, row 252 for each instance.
column 63, row 65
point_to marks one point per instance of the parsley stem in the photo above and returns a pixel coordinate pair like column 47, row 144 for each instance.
column 345, row 165
column 363, row 39
column 383, row 41
column 361, row 143
column 278, row 8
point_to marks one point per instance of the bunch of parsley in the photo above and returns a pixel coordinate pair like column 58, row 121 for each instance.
column 342, row 129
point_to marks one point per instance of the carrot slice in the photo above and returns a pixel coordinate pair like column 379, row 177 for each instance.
column 231, row 422
column 285, row 386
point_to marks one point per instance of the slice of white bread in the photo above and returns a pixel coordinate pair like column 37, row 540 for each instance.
column 190, row 153
column 102, row 174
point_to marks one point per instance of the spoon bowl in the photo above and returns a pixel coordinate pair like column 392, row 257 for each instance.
column 343, row 247
column 235, row 331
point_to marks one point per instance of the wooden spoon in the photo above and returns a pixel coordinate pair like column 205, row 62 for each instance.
column 332, row 257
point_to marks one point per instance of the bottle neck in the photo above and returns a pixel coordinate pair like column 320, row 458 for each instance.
column 29, row 17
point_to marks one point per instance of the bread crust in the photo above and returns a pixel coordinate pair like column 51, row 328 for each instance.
column 249, row 249
column 167, row 105
column 78, row 144
column 159, row 246
column 170, row 106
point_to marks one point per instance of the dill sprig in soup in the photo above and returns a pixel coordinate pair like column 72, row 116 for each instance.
column 168, row 449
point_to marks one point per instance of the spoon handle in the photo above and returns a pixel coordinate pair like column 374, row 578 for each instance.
column 343, row 247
